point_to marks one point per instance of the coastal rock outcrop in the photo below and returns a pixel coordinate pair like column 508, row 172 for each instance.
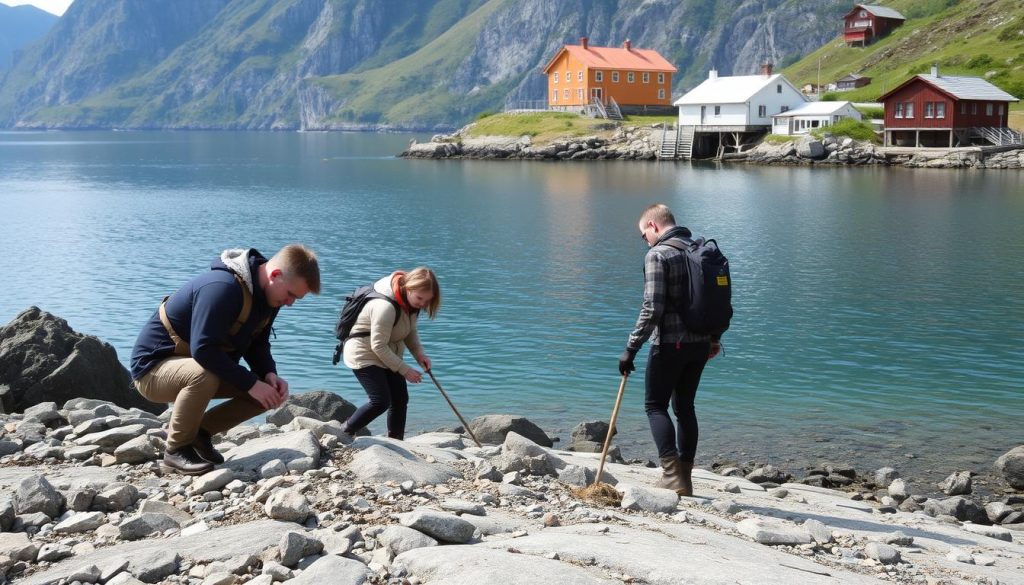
column 42, row 359
column 1011, row 466
column 624, row 143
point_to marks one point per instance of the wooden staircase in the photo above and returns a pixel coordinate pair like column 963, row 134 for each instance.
column 669, row 144
column 684, row 146
column 613, row 112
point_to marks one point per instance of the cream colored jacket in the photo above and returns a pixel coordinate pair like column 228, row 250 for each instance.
column 387, row 340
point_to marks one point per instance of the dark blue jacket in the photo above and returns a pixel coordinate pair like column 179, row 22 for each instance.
column 201, row 313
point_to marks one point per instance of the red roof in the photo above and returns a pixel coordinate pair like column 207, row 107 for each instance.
column 615, row 58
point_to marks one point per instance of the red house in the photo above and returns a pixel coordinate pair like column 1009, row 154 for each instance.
column 867, row 23
column 940, row 110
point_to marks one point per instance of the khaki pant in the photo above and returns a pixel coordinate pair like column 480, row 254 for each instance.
column 184, row 382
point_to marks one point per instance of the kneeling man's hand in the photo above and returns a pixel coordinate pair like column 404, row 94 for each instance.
column 265, row 394
column 279, row 384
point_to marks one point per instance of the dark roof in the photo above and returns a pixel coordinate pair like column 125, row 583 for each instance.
column 961, row 88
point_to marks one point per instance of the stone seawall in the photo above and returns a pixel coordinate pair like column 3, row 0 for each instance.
column 833, row 150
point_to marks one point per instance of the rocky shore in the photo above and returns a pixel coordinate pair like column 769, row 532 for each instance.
column 83, row 499
column 644, row 143
column 625, row 143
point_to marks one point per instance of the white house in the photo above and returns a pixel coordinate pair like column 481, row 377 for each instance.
column 806, row 117
column 740, row 103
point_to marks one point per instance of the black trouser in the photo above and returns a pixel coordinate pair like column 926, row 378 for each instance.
column 387, row 391
column 673, row 373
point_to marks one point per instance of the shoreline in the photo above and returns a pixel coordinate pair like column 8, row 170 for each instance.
column 643, row 143
column 301, row 499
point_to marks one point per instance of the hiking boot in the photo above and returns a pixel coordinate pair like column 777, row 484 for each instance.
column 186, row 461
column 671, row 476
column 203, row 446
column 686, row 474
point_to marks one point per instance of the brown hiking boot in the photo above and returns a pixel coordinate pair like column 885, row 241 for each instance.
column 186, row 461
column 203, row 446
column 671, row 477
column 686, row 474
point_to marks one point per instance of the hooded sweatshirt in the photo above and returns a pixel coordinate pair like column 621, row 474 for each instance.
column 384, row 346
column 201, row 313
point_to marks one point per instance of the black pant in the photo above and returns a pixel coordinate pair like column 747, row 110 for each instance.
column 673, row 373
column 387, row 391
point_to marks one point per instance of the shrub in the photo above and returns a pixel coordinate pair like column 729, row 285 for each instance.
column 830, row 96
column 872, row 113
column 1012, row 32
column 980, row 61
column 485, row 114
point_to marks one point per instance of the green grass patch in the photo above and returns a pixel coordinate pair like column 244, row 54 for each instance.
column 540, row 126
column 872, row 113
column 848, row 127
column 641, row 119
column 779, row 138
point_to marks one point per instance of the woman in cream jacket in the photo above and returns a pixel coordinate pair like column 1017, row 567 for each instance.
column 376, row 359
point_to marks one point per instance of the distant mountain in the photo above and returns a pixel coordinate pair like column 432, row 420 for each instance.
column 981, row 38
column 19, row 26
column 330, row 64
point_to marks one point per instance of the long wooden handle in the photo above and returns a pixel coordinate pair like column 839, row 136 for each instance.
column 465, row 425
column 611, row 428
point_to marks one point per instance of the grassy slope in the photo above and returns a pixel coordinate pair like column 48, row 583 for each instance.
column 967, row 37
column 394, row 92
column 541, row 127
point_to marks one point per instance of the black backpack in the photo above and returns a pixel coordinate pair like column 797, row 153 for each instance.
column 708, row 306
column 354, row 304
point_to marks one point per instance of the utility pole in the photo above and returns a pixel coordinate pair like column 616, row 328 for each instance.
column 817, row 89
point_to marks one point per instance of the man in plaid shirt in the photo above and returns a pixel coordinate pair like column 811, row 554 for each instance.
column 677, row 356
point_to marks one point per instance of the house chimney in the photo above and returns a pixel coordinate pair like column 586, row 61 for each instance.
column 627, row 45
column 935, row 70
column 583, row 41
column 766, row 69
column 713, row 74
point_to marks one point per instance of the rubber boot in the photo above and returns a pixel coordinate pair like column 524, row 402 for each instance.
column 671, row 477
column 686, row 475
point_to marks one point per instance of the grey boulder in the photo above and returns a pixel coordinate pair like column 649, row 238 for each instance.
column 492, row 428
column 377, row 463
column 143, row 525
column 439, row 525
column 1011, row 466
column 399, row 539
column 636, row 497
column 36, row 494
column 299, row 450
column 335, row 570
column 957, row 484
column 42, row 359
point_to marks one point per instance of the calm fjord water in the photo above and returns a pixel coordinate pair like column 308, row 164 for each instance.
column 878, row 311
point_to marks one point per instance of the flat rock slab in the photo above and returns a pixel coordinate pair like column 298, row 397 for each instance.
column 408, row 448
column 773, row 532
column 219, row 544
column 294, row 448
column 61, row 478
column 334, row 570
column 698, row 555
column 378, row 463
column 473, row 565
column 648, row 499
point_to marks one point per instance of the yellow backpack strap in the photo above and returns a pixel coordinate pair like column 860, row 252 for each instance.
column 180, row 347
column 243, row 315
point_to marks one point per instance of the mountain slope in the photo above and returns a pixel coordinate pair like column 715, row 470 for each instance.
column 313, row 64
column 19, row 26
column 983, row 38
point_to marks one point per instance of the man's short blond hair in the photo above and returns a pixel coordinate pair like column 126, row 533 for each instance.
column 660, row 214
column 296, row 260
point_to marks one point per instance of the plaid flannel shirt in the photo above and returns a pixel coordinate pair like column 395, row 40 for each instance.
column 665, row 285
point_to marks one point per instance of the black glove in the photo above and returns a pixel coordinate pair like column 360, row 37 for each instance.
column 626, row 361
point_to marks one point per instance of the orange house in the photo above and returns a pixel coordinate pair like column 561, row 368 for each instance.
column 636, row 79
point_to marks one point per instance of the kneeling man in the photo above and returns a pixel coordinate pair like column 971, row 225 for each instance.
column 189, row 351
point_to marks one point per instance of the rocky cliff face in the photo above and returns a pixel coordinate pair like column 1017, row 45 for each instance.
column 19, row 27
column 286, row 64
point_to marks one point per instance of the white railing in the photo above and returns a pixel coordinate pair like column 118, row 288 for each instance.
column 599, row 108
column 1000, row 136
column 526, row 106
column 613, row 109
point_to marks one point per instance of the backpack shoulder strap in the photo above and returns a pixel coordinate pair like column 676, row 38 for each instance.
column 243, row 315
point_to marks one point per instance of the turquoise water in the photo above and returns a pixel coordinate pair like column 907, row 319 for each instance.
column 878, row 311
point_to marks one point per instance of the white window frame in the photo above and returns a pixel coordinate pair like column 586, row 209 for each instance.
column 1001, row 109
column 565, row 94
column 579, row 75
column 908, row 110
column 661, row 78
column 762, row 111
column 645, row 77
column 989, row 109
column 661, row 94
column 778, row 88
column 630, row 77
column 615, row 76
column 929, row 110
column 940, row 110
column 974, row 108
column 718, row 110
column 568, row 76
column 599, row 76
column 554, row 97
column 963, row 108
column 899, row 111
column 579, row 94
column 556, row 76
